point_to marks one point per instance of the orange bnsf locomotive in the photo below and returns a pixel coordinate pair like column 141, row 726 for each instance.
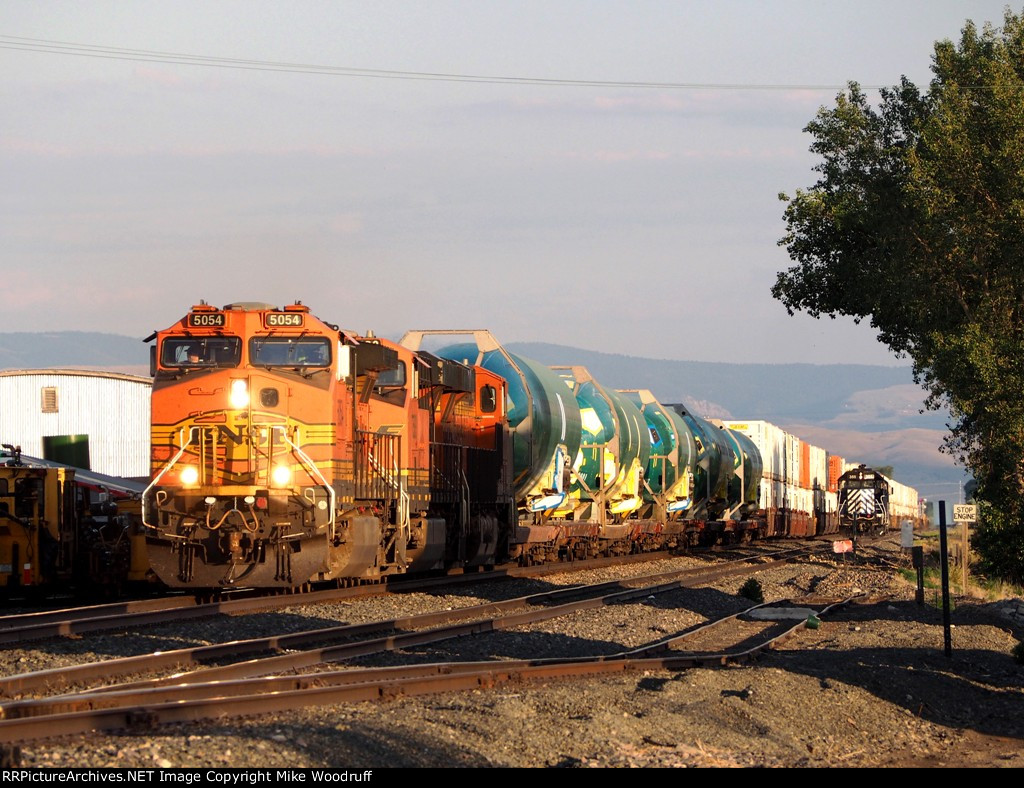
column 285, row 450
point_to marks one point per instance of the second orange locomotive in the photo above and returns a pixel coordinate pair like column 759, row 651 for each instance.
column 286, row 450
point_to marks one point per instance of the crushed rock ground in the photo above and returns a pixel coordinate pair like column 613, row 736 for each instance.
column 871, row 687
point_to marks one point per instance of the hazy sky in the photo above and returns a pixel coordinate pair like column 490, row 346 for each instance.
column 637, row 220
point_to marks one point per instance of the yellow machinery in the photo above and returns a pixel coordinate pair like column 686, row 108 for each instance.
column 61, row 527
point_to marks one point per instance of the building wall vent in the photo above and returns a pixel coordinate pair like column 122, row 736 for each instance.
column 49, row 399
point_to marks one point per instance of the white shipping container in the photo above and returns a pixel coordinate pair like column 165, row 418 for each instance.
column 902, row 501
column 793, row 451
column 782, row 455
column 801, row 500
column 770, row 442
column 772, row 494
column 819, row 468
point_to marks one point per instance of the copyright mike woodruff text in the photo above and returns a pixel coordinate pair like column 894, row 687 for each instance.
column 187, row 776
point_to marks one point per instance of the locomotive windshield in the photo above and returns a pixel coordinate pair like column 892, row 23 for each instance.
column 277, row 351
column 197, row 352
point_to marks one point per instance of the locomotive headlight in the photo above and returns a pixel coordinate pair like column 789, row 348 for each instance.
column 239, row 396
column 189, row 475
column 282, row 475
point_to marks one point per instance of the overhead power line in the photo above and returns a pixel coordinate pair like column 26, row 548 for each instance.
column 155, row 56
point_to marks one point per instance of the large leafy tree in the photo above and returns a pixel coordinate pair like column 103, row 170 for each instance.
column 916, row 222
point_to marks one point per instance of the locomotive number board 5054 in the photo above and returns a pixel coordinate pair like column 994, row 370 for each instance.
column 206, row 319
column 283, row 319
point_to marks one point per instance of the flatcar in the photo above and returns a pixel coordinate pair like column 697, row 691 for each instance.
column 286, row 450
column 863, row 501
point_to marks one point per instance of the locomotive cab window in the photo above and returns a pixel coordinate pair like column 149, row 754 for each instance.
column 199, row 352
column 277, row 351
column 390, row 385
column 488, row 399
column 392, row 378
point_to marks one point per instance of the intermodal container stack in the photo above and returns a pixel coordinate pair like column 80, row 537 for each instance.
column 793, row 495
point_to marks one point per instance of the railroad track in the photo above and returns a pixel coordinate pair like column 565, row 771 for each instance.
column 70, row 622
column 243, row 687
column 22, row 627
column 136, row 710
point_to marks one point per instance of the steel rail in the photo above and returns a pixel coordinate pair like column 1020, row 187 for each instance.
column 116, row 616
column 70, row 622
column 722, row 623
column 305, row 659
column 15, row 629
column 216, row 700
column 56, row 678
column 20, row 620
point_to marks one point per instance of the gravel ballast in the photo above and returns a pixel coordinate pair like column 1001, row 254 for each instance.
column 870, row 686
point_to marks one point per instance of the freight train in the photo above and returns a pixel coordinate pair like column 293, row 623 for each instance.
column 286, row 450
column 64, row 528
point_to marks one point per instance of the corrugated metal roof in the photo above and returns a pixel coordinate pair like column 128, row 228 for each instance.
column 92, row 373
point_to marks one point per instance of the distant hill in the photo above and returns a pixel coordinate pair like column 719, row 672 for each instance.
column 72, row 349
column 867, row 413
column 773, row 392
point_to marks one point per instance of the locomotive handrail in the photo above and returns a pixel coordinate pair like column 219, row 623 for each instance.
column 156, row 479
column 404, row 515
column 465, row 504
column 391, row 480
column 307, row 460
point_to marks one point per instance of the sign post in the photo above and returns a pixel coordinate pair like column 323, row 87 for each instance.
column 964, row 513
column 917, row 557
column 843, row 546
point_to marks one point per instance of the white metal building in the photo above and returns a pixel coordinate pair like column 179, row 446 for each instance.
column 104, row 412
